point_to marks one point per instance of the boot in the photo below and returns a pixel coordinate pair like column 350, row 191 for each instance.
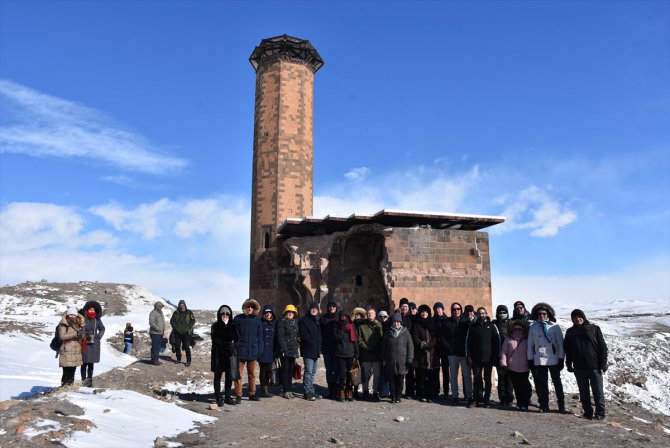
column 341, row 396
column 332, row 391
column 366, row 395
column 561, row 408
column 349, row 394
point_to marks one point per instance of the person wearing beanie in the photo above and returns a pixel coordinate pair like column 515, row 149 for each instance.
column 546, row 356
column 520, row 312
column 440, row 318
column 269, row 326
column 182, row 322
column 514, row 363
column 505, row 388
column 156, row 331
column 249, row 347
column 397, row 354
column 346, row 350
column 586, row 357
column 384, row 385
column 426, row 362
column 289, row 348
column 225, row 335
column 370, row 334
column 483, row 351
column 95, row 329
column 328, row 324
column 128, row 338
column 309, row 330
column 71, row 332
column 408, row 312
column 460, row 336
column 404, row 301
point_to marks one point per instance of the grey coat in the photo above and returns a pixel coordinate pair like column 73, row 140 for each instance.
column 156, row 319
column 94, row 331
column 397, row 351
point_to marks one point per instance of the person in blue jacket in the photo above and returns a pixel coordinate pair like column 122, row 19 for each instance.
column 309, row 330
column 269, row 325
column 249, row 347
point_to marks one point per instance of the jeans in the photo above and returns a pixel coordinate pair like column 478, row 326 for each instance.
column 332, row 374
column 454, row 363
column 541, row 375
column 384, row 385
column 127, row 347
column 595, row 378
column 156, row 341
column 310, row 373
column 370, row 370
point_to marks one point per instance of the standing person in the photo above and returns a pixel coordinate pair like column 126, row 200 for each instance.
column 156, row 330
column 94, row 332
column 182, row 322
column 384, row 385
column 520, row 312
column 309, row 330
column 407, row 321
column 514, row 363
column 425, row 361
column 505, row 388
column 397, row 354
column 128, row 338
column 460, row 349
column 225, row 335
column 269, row 325
column 370, row 347
column 440, row 318
column 287, row 342
column 346, row 351
column 545, row 355
column 328, row 323
column 447, row 342
column 249, row 347
column 483, row 350
column 586, row 357
column 71, row 333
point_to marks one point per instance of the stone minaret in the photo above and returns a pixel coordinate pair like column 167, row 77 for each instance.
column 283, row 155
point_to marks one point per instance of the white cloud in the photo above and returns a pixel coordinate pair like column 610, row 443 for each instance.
column 534, row 209
column 357, row 174
column 42, row 125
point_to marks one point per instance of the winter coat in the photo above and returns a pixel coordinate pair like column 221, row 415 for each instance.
column 542, row 351
column 501, row 323
column 94, row 332
column 424, row 337
column 156, row 319
column 328, row 324
column 309, row 330
column 287, row 337
column 269, row 337
column 370, row 341
column 69, row 354
column 447, row 335
column 397, row 351
column 182, row 322
column 483, row 343
column 439, row 321
column 224, row 339
column 585, row 347
column 460, row 335
column 250, row 344
column 128, row 335
column 346, row 348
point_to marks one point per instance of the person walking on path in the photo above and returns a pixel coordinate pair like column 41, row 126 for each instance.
column 309, row 331
column 287, row 342
column 586, row 357
column 71, row 332
column 269, row 324
column 514, row 363
column 92, row 312
column 397, row 355
column 225, row 335
column 182, row 322
column 128, row 338
column 546, row 355
column 156, row 331
column 249, row 347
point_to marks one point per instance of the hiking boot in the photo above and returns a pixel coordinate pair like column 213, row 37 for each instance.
column 376, row 397
column 230, row 401
column 188, row 364
column 238, row 400
column 341, row 396
column 178, row 361
column 599, row 417
column 562, row 410
column 219, row 402
column 544, row 409
column 157, row 363
column 366, row 395
column 470, row 403
column 254, row 398
column 349, row 394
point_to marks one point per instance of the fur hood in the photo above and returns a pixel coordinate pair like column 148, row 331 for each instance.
column 223, row 308
column 517, row 323
column 550, row 311
column 92, row 303
column 254, row 304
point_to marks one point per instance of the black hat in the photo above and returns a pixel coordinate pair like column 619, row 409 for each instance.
column 438, row 305
column 468, row 308
column 412, row 305
column 396, row 318
column 519, row 302
column 404, row 301
column 331, row 303
column 577, row 313
column 313, row 305
column 425, row 308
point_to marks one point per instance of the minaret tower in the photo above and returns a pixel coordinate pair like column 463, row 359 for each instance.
column 283, row 154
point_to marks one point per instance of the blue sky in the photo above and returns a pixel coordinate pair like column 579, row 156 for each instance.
column 126, row 135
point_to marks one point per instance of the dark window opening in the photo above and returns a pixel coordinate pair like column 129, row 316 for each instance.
column 266, row 243
column 359, row 280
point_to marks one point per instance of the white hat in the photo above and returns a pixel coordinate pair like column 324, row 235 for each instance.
column 72, row 311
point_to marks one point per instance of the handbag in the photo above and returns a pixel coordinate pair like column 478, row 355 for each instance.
column 355, row 372
column 297, row 371
column 234, row 366
column 274, row 373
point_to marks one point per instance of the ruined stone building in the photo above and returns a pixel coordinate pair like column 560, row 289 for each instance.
column 355, row 260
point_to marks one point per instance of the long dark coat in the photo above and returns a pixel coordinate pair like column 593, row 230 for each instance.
column 94, row 332
column 269, row 337
column 309, row 329
column 224, row 338
column 397, row 352
column 423, row 330
column 483, row 343
column 287, row 337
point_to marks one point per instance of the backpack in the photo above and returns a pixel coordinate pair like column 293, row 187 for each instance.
column 56, row 342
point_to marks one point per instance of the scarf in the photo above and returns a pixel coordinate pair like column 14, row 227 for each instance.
column 546, row 332
column 349, row 328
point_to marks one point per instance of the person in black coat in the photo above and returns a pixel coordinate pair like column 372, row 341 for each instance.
column 483, row 351
column 520, row 312
column 346, row 350
column 288, row 346
column 407, row 322
column 249, row 347
column 128, row 338
column 309, row 330
column 397, row 355
column 586, row 357
column 225, row 335
column 328, row 324
column 440, row 317
column 505, row 388
column 95, row 329
column 269, row 326
column 426, row 361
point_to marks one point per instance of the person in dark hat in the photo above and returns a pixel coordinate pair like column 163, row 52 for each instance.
column 269, row 326
column 520, row 312
column 440, row 318
column 505, row 387
column 225, row 335
column 426, row 361
column 546, row 355
column 249, row 347
column 586, row 357
column 95, row 329
column 397, row 354
column 346, row 350
column 461, row 347
column 328, row 324
column 182, row 322
column 309, row 329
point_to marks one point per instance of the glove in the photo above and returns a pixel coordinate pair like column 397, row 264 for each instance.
column 561, row 364
column 423, row 345
column 570, row 367
column 603, row 367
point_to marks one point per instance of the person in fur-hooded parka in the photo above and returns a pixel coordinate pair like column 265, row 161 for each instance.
column 95, row 329
column 514, row 363
column 71, row 333
column 225, row 335
column 249, row 347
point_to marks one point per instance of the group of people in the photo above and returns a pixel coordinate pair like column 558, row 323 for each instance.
column 412, row 354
